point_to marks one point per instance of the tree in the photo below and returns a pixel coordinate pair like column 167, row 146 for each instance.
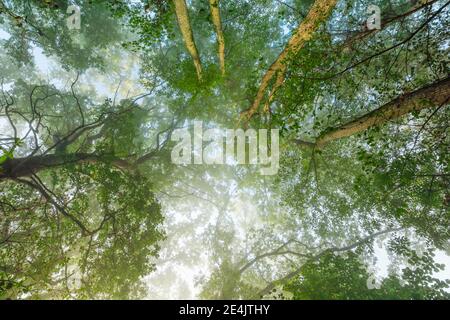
column 91, row 205
column 344, row 278
column 86, row 193
column 183, row 21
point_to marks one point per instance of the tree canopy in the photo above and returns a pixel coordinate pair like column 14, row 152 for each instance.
column 93, row 207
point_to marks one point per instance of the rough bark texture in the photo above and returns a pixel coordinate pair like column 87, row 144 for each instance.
column 215, row 15
column 186, row 31
column 432, row 95
column 319, row 11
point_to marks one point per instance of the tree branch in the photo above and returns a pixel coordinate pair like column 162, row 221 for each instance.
column 297, row 271
column 319, row 11
column 215, row 15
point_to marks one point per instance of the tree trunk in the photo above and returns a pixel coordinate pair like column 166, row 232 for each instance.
column 215, row 14
column 22, row 167
column 181, row 12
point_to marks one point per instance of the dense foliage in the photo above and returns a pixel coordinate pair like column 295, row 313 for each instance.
column 92, row 207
